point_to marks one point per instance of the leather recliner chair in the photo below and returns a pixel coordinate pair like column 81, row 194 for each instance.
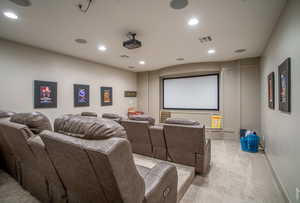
column 90, row 114
column 33, row 174
column 102, row 166
column 7, row 158
column 186, row 144
column 113, row 116
column 137, row 129
column 145, row 137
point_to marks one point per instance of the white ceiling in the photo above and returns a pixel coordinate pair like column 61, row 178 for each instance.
column 233, row 24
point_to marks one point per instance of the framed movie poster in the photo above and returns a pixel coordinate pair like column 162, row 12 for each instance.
column 271, row 90
column 81, row 95
column 106, row 96
column 284, row 85
column 45, row 94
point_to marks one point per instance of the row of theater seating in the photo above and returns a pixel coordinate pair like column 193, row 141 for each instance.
column 178, row 140
column 84, row 159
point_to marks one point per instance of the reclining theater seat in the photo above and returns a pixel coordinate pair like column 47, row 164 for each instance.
column 137, row 129
column 7, row 158
column 96, row 164
column 187, row 145
column 90, row 114
column 112, row 116
column 17, row 131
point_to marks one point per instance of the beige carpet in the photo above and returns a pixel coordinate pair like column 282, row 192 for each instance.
column 12, row 192
column 235, row 177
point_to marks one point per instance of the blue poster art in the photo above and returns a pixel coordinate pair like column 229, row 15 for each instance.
column 81, row 95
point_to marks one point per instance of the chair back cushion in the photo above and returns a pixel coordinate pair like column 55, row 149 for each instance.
column 6, row 114
column 35, row 121
column 91, row 114
column 88, row 127
column 179, row 121
column 150, row 119
column 102, row 170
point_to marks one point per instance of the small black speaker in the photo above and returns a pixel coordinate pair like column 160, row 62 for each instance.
column 24, row 3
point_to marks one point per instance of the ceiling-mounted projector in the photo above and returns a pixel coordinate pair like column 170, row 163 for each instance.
column 132, row 43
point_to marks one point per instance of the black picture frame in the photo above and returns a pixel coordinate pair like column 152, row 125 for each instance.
column 284, row 85
column 45, row 94
column 207, row 109
column 271, row 90
column 81, row 95
column 106, row 96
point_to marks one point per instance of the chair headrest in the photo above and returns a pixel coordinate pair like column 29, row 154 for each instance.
column 91, row 114
column 111, row 116
column 88, row 127
column 35, row 121
column 150, row 119
column 6, row 114
column 179, row 121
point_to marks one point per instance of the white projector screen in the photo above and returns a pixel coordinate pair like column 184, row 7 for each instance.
column 194, row 93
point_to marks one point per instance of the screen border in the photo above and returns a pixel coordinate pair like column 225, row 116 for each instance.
column 194, row 76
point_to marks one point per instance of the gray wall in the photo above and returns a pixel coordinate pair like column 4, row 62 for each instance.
column 281, row 130
column 239, row 93
column 20, row 65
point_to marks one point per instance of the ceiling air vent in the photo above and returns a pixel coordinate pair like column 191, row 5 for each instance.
column 205, row 39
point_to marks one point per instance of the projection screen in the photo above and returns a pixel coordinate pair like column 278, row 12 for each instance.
column 191, row 93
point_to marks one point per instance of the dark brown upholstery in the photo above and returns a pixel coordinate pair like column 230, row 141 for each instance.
column 142, row 117
column 179, row 121
column 187, row 145
column 7, row 158
column 56, row 190
column 90, row 114
column 164, row 190
column 35, row 121
column 139, row 136
column 158, row 142
column 112, row 116
column 104, row 171
column 88, row 127
column 35, row 171
column 28, row 173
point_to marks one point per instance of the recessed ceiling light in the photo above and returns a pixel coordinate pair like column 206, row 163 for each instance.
column 142, row 62
column 102, row 48
column 180, row 59
column 80, row 41
column 10, row 15
column 193, row 21
column 240, row 50
column 211, row 51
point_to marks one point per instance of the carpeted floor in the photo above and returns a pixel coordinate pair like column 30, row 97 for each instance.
column 12, row 192
column 235, row 177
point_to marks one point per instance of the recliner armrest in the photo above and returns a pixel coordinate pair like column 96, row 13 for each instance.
column 161, row 184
